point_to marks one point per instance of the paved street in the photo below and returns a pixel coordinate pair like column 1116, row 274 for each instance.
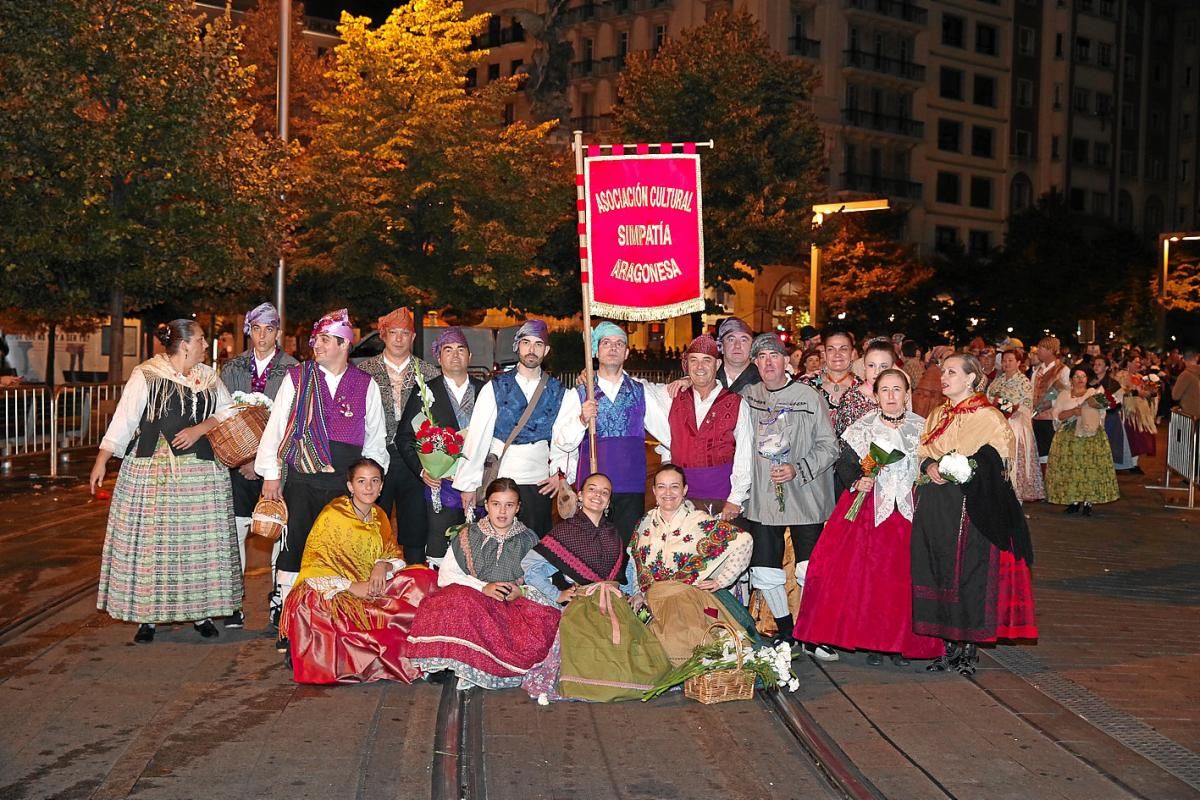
column 1105, row 706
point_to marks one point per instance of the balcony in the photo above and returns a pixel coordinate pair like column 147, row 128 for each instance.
column 893, row 9
column 592, row 124
column 593, row 10
column 901, row 126
column 877, row 184
column 597, row 67
column 497, row 38
column 859, row 59
column 805, row 48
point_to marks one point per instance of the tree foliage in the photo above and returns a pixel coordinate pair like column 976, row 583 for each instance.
column 723, row 81
column 132, row 176
column 413, row 191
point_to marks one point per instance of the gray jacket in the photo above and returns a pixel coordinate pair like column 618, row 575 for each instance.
column 798, row 414
column 236, row 372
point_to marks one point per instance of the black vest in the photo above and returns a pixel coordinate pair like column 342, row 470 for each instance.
column 176, row 416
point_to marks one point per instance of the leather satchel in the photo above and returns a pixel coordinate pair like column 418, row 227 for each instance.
column 491, row 464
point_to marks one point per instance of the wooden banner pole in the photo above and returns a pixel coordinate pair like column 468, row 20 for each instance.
column 585, row 287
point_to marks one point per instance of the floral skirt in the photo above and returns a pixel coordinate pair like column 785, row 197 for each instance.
column 1081, row 469
column 1025, row 471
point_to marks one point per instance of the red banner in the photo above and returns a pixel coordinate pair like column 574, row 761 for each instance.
column 645, row 237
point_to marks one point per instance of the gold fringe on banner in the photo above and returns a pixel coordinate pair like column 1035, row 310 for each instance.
column 650, row 314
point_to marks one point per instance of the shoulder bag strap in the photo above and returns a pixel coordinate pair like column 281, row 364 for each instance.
column 533, row 401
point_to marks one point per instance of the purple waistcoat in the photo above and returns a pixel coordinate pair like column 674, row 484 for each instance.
column 346, row 411
column 620, row 438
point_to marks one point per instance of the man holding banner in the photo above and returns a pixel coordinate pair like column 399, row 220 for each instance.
column 623, row 418
column 516, row 417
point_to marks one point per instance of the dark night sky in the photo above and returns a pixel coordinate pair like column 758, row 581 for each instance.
column 377, row 10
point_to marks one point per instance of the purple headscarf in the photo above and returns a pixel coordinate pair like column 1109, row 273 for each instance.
column 264, row 314
column 533, row 328
column 446, row 337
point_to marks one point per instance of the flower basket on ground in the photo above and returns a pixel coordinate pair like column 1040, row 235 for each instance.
column 235, row 439
column 726, row 667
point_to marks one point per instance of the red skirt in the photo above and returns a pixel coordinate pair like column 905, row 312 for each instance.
column 329, row 648
column 858, row 589
column 1014, row 599
column 500, row 638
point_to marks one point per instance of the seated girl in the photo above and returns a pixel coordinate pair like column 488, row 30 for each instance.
column 681, row 557
column 480, row 625
column 347, row 619
column 603, row 652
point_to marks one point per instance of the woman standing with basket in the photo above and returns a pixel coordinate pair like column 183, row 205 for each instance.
column 259, row 370
column 170, row 550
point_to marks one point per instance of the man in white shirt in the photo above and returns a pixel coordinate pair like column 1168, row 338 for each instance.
column 529, row 460
column 623, row 418
column 394, row 371
column 327, row 415
column 711, row 435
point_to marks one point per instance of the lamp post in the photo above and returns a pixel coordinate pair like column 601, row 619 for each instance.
column 820, row 210
column 1164, row 242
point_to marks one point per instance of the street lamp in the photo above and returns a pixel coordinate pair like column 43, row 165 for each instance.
column 814, row 258
column 1165, row 240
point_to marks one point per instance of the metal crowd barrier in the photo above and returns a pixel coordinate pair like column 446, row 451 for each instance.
column 36, row 422
column 647, row 375
column 1183, row 457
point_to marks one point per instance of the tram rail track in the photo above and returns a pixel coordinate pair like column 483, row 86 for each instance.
column 15, row 627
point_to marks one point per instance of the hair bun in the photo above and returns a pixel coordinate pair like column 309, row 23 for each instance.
column 163, row 334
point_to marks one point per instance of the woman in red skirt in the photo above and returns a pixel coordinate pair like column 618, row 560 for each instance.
column 971, row 551
column 858, row 591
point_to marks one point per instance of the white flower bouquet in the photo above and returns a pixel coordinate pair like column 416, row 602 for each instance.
column 954, row 467
column 251, row 399
column 770, row 665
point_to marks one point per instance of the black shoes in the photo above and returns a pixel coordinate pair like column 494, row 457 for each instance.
column 235, row 620
column 899, row 660
column 1072, row 509
column 440, row 677
column 874, row 659
column 206, row 628
column 968, row 660
column 145, row 634
column 947, row 661
column 1135, row 471
column 1087, row 509
column 273, row 619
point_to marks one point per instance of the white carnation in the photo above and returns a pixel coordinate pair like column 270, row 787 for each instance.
column 955, row 467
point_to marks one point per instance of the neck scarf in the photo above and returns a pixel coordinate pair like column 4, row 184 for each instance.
column 258, row 383
column 585, row 552
column 972, row 403
column 163, row 381
column 306, row 438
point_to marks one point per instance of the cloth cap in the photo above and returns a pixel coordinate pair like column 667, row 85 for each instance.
column 808, row 332
column 446, row 337
column 732, row 325
column 767, row 343
column 400, row 318
column 335, row 323
column 703, row 344
column 533, row 328
column 604, row 329
column 263, row 314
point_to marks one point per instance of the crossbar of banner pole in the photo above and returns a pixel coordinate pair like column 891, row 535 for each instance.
column 709, row 143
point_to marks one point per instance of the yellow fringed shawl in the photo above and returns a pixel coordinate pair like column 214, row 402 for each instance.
column 971, row 426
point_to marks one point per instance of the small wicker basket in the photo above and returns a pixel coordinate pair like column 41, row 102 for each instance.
column 269, row 518
column 235, row 441
column 722, row 685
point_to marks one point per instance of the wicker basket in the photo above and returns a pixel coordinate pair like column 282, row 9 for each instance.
column 235, row 441
column 269, row 518
column 723, row 685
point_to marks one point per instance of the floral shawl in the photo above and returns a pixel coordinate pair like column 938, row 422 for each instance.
column 691, row 546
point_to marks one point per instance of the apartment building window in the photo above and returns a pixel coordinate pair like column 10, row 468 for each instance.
column 1058, row 45
column 1130, row 68
column 954, row 30
column 985, row 91
column 1155, row 170
column 1104, row 102
column 1026, row 41
column 950, row 135
column 979, row 243
column 472, row 78
column 1100, row 204
column 660, row 37
column 1024, row 93
column 1100, row 154
column 1054, row 149
column 850, row 158
column 982, row 141
column 1107, row 8
column 510, row 113
column 948, row 190
column 945, row 239
column 622, row 44
column 1023, row 144
column 1104, row 55
column 588, row 50
column 986, row 37
column 493, row 72
column 1079, row 150
column 1081, row 100
column 981, row 192
column 517, row 63
column 1077, row 200
column 1021, row 196
column 1183, row 171
column 951, row 81
column 1058, row 96
column 1083, row 49
column 1128, row 163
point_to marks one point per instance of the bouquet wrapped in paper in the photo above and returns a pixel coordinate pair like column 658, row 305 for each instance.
column 1005, row 406
column 879, row 455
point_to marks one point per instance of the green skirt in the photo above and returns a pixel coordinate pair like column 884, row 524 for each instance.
column 596, row 668
column 1080, row 469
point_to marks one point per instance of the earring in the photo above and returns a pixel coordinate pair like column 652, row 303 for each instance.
column 607, row 509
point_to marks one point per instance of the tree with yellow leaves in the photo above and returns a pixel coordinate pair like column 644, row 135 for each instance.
column 413, row 190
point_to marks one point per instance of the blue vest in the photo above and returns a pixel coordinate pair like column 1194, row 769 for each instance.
column 620, row 438
column 511, row 403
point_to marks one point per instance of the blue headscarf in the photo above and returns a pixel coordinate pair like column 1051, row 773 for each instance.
column 607, row 328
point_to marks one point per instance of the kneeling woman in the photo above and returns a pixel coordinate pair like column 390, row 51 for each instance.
column 858, row 590
column 347, row 619
column 480, row 624
column 682, row 556
column 603, row 652
column 971, row 551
